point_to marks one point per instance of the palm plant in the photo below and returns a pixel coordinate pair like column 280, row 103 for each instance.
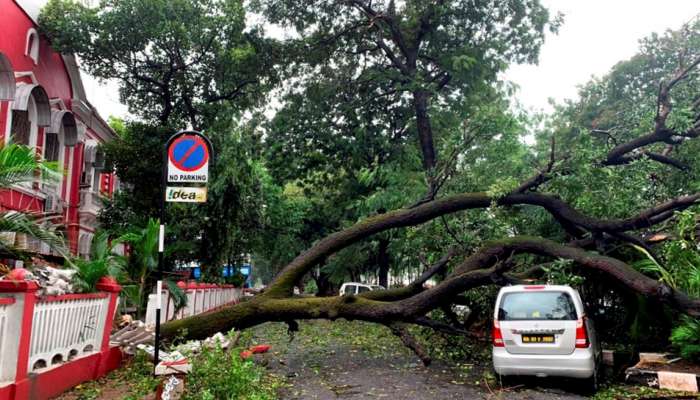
column 103, row 262
column 143, row 260
column 19, row 164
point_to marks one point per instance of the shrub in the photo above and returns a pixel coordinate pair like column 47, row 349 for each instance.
column 221, row 375
column 686, row 338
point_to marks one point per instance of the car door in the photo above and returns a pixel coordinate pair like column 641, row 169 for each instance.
column 538, row 322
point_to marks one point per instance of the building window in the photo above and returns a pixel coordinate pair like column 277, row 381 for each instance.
column 32, row 48
column 21, row 127
column 51, row 151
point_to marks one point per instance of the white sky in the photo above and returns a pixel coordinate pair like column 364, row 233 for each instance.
column 596, row 34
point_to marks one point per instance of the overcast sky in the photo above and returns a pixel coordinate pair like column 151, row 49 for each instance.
column 596, row 34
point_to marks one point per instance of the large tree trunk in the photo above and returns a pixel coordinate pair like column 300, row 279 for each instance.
column 560, row 210
column 324, row 286
column 425, row 131
column 482, row 268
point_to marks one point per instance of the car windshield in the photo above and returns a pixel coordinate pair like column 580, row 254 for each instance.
column 536, row 306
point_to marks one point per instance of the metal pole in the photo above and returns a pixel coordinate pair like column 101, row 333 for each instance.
column 161, row 248
column 161, row 233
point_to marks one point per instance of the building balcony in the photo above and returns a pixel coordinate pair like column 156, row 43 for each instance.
column 90, row 202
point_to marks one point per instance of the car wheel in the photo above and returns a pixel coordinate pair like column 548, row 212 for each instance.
column 504, row 380
column 590, row 385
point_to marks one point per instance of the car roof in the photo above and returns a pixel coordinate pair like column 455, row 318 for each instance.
column 532, row 288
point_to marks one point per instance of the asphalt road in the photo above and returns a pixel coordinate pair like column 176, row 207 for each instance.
column 321, row 364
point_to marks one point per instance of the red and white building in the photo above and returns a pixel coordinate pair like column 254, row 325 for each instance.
column 43, row 105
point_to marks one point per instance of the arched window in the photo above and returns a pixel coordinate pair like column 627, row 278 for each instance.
column 30, row 110
column 7, row 79
column 32, row 47
column 21, row 129
column 63, row 131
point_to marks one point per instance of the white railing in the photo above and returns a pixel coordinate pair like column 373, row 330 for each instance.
column 65, row 327
column 40, row 335
column 201, row 298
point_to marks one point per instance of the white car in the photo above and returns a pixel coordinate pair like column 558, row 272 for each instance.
column 356, row 287
column 542, row 330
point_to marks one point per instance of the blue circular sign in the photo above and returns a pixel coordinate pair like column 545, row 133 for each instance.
column 189, row 153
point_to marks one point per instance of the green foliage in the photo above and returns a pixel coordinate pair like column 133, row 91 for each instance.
column 102, row 262
column 37, row 227
column 686, row 338
column 143, row 261
column 679, row 264
column 561, row 272
column 19, row 164
column 628, row 392
column 220, row 375
column 176, row 60
column 178, row 295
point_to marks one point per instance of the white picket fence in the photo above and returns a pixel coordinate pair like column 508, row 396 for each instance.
column 45, row 336
column 66, row 327
column 201, row 298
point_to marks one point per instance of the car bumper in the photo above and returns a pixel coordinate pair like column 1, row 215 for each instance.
column 579, row 364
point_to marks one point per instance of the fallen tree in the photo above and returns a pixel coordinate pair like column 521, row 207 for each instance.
column 484, row 267
column 488, row 265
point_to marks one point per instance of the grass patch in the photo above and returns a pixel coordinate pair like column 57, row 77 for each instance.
column 618, row 392
column 220, row 375
column 216, row 375
column 134, row 378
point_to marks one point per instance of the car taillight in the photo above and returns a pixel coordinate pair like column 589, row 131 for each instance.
column 582, row 341
column 534, row 287
column 496, row 336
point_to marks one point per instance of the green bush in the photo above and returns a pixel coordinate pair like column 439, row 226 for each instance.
column 220, row 375
column 686, row 338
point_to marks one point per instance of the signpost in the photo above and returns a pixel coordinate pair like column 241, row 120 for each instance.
column 186, row 158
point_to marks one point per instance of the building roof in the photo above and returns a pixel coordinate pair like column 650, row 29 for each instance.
column 32, row 7
column 87, row 112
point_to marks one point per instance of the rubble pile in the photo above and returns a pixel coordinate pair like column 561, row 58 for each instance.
column 133, row 335
column 51, row 281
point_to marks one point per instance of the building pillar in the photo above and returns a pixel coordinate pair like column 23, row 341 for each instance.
column 4, row 109
column 19, row 335
column 73, row 217
column 109, row 285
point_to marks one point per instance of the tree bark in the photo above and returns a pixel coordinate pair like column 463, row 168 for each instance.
column 324, row 287
column 560, row 210
column 425, row 131
column 482, row 268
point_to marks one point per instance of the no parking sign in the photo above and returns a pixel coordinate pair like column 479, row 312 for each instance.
column 185, row 160
column 188, row 158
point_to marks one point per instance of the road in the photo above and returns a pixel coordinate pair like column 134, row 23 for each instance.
column 327, row 362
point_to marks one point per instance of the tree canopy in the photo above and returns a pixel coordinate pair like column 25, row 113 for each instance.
column 393, row 145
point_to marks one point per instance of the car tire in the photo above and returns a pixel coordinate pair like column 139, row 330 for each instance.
column 504, row 380
column 590, row 385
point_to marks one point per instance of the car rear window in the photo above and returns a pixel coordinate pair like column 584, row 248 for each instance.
column 550, row 305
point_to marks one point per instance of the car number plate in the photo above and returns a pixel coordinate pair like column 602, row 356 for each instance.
column 538, row 338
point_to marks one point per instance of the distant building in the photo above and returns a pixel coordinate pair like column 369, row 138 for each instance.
column 43, row 105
